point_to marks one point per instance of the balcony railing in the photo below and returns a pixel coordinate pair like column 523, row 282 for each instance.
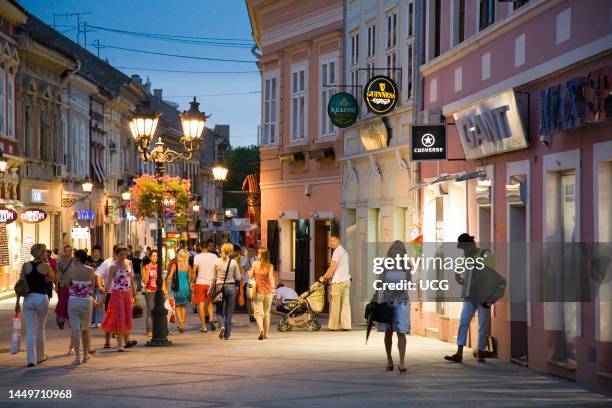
column 39, row 170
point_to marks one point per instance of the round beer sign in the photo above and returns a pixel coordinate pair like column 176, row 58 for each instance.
column 380, row 94
column 342, row 109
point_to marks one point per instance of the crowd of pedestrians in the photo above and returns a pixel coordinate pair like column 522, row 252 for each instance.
column 97, row 293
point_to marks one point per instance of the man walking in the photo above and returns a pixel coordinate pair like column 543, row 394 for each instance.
column 338, row 272
column 470, row 250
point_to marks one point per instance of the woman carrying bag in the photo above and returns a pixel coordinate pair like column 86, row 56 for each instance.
column 32, row 286
column 263, row 291
column 399, row 302
column 223, row 292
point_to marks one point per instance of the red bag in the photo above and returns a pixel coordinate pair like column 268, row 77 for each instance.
column 172, row 307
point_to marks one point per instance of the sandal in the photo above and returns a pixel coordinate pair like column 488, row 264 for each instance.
column 76, row 361
column 203, row 330
column 121, row 349
column 45, row 358
column 107, row 345
column 131, row 343
column 455, row 358
column 389, row 367
column 401, row 370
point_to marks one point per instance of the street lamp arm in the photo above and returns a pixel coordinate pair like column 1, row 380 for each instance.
column 169, row 156
column 70, row 201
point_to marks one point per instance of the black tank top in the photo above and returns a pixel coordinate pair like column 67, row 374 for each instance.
column 36, row 281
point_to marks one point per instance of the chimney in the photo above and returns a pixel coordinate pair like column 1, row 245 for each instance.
column 136, row 77
column 157, row 93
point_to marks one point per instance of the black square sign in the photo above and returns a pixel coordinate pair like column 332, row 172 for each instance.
column 428, row 142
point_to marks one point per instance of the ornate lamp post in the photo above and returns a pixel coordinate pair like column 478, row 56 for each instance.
column 87, row 187
column 143, row 124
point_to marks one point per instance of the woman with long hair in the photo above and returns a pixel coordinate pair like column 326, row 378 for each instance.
column 398, row 299
column 149, row 280
column 263, row 273
column 36, row 302
column 120, row 283
column 227, row 274
column 81, row 282
column 181, row 286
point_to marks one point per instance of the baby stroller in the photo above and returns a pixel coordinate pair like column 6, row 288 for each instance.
column 302, row 312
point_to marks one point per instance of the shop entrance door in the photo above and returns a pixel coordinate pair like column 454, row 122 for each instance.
column 517, row 274
column 322, row 250
column 570, row 309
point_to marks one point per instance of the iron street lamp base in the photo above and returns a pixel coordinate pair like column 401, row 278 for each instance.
column 160, row 322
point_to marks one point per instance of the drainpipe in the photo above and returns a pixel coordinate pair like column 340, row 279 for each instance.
column 419, row 58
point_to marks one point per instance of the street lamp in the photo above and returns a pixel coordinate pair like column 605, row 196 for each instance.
column 126, row 195
column 87, row 186
column 219, row 172
column 143, row 124
column 3, row 163
column 195, row 208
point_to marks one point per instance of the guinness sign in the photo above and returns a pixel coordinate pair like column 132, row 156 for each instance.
column 32, row 215
column 380, row 95
column 428, row 143
column 342, row 109
column 7, row 215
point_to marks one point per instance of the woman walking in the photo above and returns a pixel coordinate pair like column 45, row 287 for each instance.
column 149, row 280
column 228, row 274
column 263, row 273
column 36, row 302
column 81, row 283
column 120, row 282
column 398, row 299
column 181, row 286
column 61, row 309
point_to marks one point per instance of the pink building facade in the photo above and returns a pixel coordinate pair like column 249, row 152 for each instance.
column 300, row 64
column 524, row 89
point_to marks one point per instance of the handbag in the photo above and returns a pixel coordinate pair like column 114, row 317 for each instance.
column 379, row 312
column 217, row 294
column 137, row 311
column 16, row 334
column 21, row 287
column 175, row 280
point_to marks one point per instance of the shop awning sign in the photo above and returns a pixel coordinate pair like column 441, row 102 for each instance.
column 32, row 215
column 491, row 126
column 342, row 109
column 380, row 94
column 7, row 215
column 428, row 142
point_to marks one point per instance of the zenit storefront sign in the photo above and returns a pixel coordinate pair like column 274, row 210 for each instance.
column 380, row 95
column 428, row 142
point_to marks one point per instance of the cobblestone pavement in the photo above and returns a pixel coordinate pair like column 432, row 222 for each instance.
column 293, row 369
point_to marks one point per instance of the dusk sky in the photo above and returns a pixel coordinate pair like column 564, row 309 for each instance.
column 218, row 21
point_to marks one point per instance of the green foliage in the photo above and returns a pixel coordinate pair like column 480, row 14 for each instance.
column 240, row 161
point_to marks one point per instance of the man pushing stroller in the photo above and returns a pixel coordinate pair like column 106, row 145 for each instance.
column 338, row 272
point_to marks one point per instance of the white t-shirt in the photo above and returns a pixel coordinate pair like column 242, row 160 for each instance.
column 341, row 274
column 205, row 262
column 104, row 268
column 247, row 264
column 285, row 293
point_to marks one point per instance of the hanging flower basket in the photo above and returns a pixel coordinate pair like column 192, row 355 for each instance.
column 153, row 195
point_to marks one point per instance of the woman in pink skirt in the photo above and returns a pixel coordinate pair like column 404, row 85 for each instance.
column 118, row 317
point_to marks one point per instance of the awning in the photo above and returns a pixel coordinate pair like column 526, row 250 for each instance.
column 469, row 176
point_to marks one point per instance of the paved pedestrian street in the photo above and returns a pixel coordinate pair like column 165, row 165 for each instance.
column 293, row 369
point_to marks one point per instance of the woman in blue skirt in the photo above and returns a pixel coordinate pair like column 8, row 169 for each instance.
column 181, row 287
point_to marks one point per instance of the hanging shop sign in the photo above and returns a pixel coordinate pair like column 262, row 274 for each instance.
column 428, row 143
column 85, row 215
column 491, row 126
column 342, row 109
column 79, row 233
column 380, row 94
column 576, row 102
column 32, row 215
column 7, row 215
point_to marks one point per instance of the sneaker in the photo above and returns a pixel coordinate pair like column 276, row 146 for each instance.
column 203, row 330
column 222, row 333
column 131, row 343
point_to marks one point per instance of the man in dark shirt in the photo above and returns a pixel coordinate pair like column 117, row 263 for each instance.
column 134, row 257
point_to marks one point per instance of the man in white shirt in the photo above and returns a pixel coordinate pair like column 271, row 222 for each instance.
column 204, row 275
column 338, row 272
column 246, row 262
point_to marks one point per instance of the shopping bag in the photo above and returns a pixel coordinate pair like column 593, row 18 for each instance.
column 16, row 334
column 170, row 305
